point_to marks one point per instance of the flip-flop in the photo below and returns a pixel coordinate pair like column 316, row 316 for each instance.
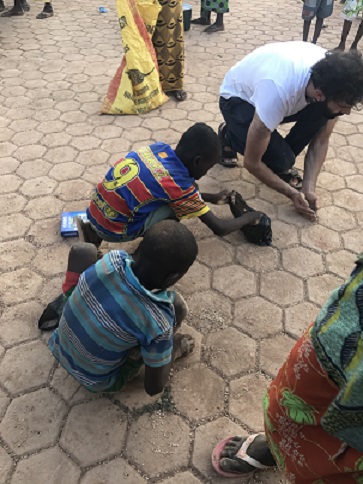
column 241, row 455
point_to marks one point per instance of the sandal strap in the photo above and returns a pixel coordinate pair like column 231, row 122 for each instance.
column 242, row 453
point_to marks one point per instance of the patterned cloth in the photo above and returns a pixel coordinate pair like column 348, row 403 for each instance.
column 314, row 407
column 107, row 316
column 168, row 41
column 136, row 88
column 140, row 184
column 352, row 8
column 208, row 6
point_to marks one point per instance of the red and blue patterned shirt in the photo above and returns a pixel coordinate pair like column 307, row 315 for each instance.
column 139, row 184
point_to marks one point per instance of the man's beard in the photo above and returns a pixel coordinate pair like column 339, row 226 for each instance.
column 326, row 112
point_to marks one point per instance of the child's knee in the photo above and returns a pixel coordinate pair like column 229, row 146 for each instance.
column 81, row 256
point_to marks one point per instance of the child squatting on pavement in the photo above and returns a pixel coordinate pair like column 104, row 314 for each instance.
column 120, row 315
column 156, row 183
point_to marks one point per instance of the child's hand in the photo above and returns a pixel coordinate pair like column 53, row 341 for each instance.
column 223, row 197
column 251, row 218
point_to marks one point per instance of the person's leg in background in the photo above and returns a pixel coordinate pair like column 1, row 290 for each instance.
column 46, row 12
column 325, row 10
column 204, row 18
column 220, row 8
column 20, row 6
column 358, row 36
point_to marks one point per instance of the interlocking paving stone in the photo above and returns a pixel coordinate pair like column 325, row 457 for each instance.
column 54, row 148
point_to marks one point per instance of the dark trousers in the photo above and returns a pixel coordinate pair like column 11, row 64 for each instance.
column 281, row 152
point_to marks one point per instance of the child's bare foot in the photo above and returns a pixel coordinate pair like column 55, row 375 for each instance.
column 183, row 345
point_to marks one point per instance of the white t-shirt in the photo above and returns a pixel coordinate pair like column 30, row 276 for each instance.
column 273, row 78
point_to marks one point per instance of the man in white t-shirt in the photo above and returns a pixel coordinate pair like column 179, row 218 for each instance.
column 287, row 82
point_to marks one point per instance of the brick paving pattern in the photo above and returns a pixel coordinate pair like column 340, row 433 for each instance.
column 247, row 304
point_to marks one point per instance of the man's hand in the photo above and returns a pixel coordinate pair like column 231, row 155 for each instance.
column 302, row 205
column 223, row 197
column 312, row 200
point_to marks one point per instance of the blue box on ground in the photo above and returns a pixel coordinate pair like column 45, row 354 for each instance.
column 69, row 223
column 187, row 16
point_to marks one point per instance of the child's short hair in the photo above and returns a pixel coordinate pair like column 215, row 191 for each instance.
column 199, row 140
column 169, row 247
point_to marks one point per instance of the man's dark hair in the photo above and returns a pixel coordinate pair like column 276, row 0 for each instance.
column 199, row 140
column 169, row 247
column 339, row 76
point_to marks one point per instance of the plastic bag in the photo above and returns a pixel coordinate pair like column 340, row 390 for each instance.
column 261, row 233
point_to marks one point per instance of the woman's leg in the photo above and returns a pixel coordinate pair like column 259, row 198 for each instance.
column 346, row 29
column 358, row 36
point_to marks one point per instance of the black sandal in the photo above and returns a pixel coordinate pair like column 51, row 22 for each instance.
column 178, row 95
column 51, row 315
column 291, row 176
column 228, row 157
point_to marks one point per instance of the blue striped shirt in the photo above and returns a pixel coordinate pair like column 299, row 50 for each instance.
column 108, row 314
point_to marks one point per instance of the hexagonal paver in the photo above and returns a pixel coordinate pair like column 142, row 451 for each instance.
column 223, row 350
column 8, row 165
column 9, row 183
column 214, row 252
column 349, row 199
column 260, row 259
column 6, row 465
column 21, row 370
column 66, row 171
column 13, row 226
column 94, row 431
column 206, row 438
column 43, row 207
column 214, row 314
column 246, row 400
column 352, row 240
column 299, row 317
column 341, row 263
column 166, row 449
column 69, row 388
column 330, row 182
column 11, row 203
column 19, row 285
column 38, row 186
column 320, row 238
column 258, row 317
column 355, row 182
column 282, row 288
column 183, row 478
column 234, row 281
column 26, row 169
column 274, row 351
column 196, row 279
column 4, row 402
column 113, row 472
column 320, row 287
column 287, row 214
column 93, row 157
column 17, row 323
column 15, row 254
column 32, row 421
column 302, row 262
column 134, row 395
column 51, row 262
column 51, row 466
column 336, row 218
column 198, row 392
column 74, row 190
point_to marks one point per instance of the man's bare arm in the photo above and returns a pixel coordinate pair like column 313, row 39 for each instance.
column 316, row 156
column 257, row 142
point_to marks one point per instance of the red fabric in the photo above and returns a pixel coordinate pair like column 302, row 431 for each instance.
column 303, row 449
column 71, row 280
